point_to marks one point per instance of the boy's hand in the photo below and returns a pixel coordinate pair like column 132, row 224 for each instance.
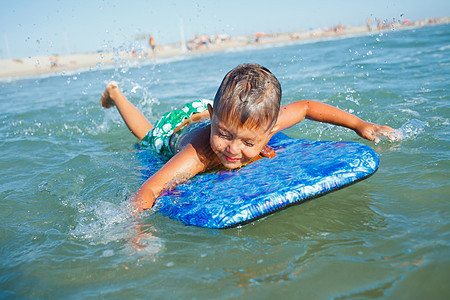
column 374, row 132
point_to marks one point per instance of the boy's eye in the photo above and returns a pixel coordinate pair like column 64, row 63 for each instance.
column 248, row 144
column 223, row 134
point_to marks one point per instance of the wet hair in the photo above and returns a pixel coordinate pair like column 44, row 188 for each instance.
column 250, row 96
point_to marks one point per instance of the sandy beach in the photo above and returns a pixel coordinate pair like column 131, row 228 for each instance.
column 47, row 64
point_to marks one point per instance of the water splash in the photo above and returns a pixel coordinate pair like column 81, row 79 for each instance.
column 411, row 129
column 349, row 97
column 103, row 222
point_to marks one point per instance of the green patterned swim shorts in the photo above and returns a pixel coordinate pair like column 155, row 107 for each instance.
column 158, row 138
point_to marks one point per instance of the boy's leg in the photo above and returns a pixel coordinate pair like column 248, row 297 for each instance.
column 134, row 119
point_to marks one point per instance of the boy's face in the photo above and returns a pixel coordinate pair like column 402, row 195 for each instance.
column 236, row 146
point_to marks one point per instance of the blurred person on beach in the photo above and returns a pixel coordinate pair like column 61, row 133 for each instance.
column 152, row 44
column 229, row 132
column 369, row 24
column 53, row 61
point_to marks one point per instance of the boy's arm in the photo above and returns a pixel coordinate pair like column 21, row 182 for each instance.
column 179, row 168
column 296, row 112
column 197, row 156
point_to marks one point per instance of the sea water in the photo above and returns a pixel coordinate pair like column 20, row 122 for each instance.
column 67, row 167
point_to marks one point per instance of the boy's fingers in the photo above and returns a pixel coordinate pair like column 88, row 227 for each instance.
column 391, row 136
column 395, row 135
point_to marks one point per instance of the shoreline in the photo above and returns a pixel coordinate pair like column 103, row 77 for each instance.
column 11, row 68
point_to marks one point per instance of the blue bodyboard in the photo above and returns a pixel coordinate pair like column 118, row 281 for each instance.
column 302, row 170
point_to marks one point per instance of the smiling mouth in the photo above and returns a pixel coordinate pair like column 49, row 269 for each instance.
column 230, row 159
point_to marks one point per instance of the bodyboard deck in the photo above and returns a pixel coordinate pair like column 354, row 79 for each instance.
column 302, row 170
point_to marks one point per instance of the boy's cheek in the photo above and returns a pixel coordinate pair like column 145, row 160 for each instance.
column 251, row 154
column 215, row 144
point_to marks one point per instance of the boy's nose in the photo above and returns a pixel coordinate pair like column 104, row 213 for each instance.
column 233, row 147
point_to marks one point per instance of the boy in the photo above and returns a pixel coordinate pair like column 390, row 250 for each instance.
column 232, row 132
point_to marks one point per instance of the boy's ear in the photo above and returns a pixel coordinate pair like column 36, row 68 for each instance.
column 274, row 129
column 210, row 110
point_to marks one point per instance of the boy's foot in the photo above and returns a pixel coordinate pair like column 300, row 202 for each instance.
column 106, row 101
